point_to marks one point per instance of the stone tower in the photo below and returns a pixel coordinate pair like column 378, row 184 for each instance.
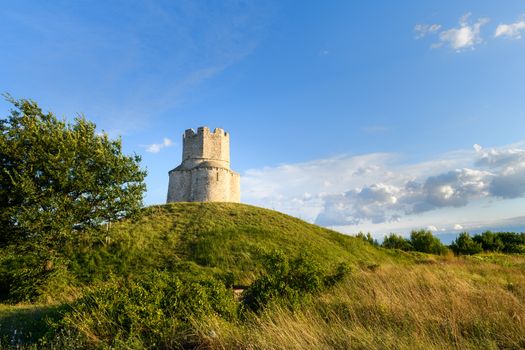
column 204, row 174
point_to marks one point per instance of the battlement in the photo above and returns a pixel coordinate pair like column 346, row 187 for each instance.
column 206, row 145
column 204, row 130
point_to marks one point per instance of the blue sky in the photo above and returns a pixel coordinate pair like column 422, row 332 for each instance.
column 378, row 116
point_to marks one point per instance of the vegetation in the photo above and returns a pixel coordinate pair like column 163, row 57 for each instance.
column 289, row 282
column 219, row 275
column 190, row 255
column 156, row 310
column 507, row 242
column 424, row 241
column 452, row 304
column 367, row 238
column 394, row 241
column 226, row 240
column 420, row 241
column 465, row 245
column 164, row 280
column 58, row 181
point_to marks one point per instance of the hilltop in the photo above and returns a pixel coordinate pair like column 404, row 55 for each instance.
column 230, row 237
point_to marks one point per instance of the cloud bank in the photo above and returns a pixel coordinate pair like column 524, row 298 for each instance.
column 379, row 188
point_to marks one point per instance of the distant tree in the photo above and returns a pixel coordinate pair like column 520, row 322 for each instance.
column 368, row 238
column 394, row 241
column 58, row 178
column 424, row 241
column 513, row 242
column 465, row 245
column 490, row 242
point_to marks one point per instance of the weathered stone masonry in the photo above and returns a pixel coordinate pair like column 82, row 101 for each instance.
column 204, row 174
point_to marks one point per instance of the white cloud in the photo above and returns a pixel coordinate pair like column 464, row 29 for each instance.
column 501, row 157
column 458, row 227
column 512, row 30
column 510, row 166
column 379, row 188
column 156, row 147
column 423, row 30
column 432, row 228
column 465, row 36
column 454, row 188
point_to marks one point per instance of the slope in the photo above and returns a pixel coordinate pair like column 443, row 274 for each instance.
column 222, row 237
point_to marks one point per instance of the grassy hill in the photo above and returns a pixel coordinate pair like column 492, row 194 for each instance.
column 227, row 237
column 164, row 281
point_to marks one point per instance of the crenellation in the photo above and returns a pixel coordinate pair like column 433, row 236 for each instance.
column 203, row 130
column 189, row 133
column 218, row 131
column 204, row 174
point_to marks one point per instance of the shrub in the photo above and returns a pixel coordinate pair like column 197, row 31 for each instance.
column 394, row 241
column 289, row 282
column 465, row 245
column 155, row 311
column 424, row 241
column 27, row 276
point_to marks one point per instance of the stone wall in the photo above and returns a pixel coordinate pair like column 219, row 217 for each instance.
column 204, row 185
column 206, row 145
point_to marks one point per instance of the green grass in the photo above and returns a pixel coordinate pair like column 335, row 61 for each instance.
column 454, row 303
column 222, row 238
column 392, row 299
column 25, row 323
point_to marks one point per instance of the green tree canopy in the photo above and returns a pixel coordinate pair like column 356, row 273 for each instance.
column 424, row 241
column 465, row 245
column 58, row 178
column 394, row 241
column 489, row 241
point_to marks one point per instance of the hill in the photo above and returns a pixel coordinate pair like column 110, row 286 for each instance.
column 228, row 237
column 164, row 281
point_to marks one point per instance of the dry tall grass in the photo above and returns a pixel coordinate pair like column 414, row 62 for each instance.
column 452, row 303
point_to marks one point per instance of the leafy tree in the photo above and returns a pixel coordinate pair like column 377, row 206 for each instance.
column 368, row 238
column 490, row 242
column 424, row 241
column 394, row 241
column 512, row 242
column 465, row 245
column 58, row 179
